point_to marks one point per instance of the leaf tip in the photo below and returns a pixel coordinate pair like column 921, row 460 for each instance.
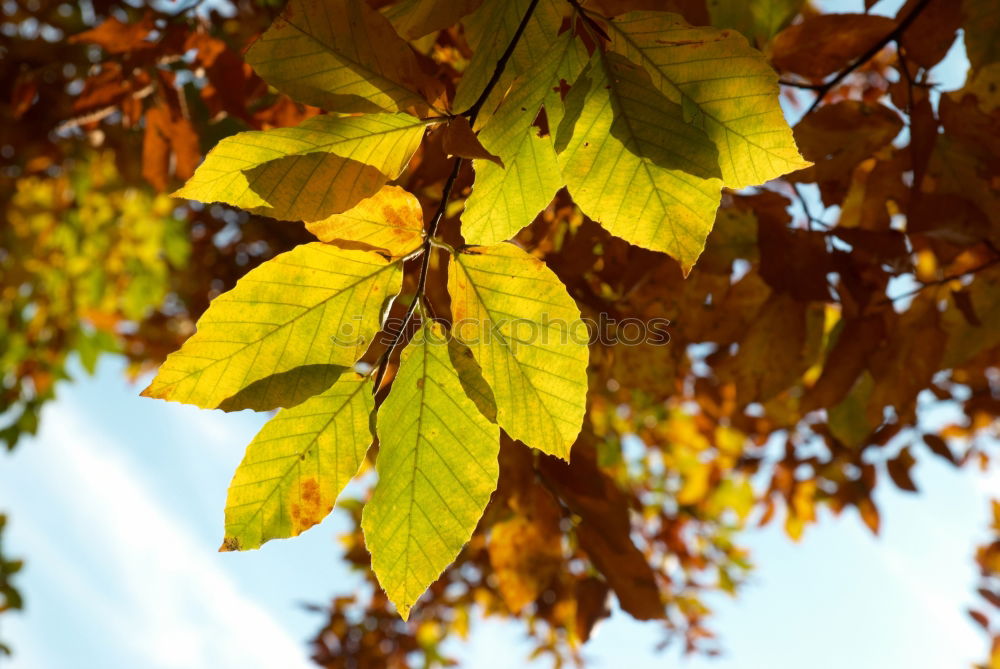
column 230, row 544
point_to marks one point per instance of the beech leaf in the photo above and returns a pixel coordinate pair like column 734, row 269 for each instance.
column 314, row 305
column 298, row 464
column 525, row 332
column 437, row 467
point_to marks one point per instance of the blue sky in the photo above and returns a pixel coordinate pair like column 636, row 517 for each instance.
column 117, row 504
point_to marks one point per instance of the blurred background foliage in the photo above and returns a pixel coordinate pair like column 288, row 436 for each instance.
column 831, row 311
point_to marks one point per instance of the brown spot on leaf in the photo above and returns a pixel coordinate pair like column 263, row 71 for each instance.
column 307, row 505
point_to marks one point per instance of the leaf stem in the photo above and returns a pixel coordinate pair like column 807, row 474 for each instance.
column 473, row 111
column 429, row 243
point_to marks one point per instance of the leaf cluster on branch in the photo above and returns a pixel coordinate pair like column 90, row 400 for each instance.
column 477, row 180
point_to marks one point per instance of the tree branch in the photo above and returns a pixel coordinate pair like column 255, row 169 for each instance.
column 893, row 36
column 471, row 113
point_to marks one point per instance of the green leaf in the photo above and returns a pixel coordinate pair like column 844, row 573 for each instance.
column 437, row 467
column 390, row 220
column 633, row 164
column 525, row 332
column 489, row 31
column 340, row 55
column 724, row 86
column 315, row 305
column 323, row 166
column 415, row 18
column 506, row 199
column 758, row 20
column 298, row 464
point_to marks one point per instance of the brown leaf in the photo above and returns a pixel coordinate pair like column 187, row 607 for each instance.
column 458, row 139
column 940, row 448
column 826, row 43
column 591, row 605
column 857, row 340
column 907, row 361
column 927, row 39
column 170, row 146
column 604, row 528
column 899, row 470
column 116, row 37
column 794, row 261
column 837, row 137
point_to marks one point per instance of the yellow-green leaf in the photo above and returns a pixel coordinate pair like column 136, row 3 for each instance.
column 525, row 332
column 298, row 464
column 323, row 166
column 489, row 31
column 633, row 164
column 437, row 467
column 759, row 20
column 724, row 86
column 340, row 55
column 391, row 220
column 506, row 199
column 415, row 18
column 315, row 305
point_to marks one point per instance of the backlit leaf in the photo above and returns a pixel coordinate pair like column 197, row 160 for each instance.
column 633, row 164
column 315, row 305
column 724, row 86
column 277, row 172
column 340, row 55
column 437, row 467
column 297, row 465
column 489, row 31
column 759, row 20
column 391, row 220
column 525, row 332
column 506, row 198
column 415, row 18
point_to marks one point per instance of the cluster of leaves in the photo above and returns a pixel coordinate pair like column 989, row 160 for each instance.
column 826, row 311
column 988, row 559
column 636, row 113
column 10, row 598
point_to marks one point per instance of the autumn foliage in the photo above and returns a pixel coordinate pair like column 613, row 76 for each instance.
column 391, row 217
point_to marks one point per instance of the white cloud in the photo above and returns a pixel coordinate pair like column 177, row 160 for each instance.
column 159, row 595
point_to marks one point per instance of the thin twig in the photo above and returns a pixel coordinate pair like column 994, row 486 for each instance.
column 471, row 113
column 589, row 20
column 798, row 84
column 895, row 35
column 944, row 280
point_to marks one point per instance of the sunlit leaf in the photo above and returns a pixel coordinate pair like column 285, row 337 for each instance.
column 391, row 220
column 315, row 305
column 277, row 172
column 506, row 198
column 437, row 466
column 296, row 466
column 525, row 332
column 341, row 55
column 724, row 86
column 633, row 164
column 489, row 30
